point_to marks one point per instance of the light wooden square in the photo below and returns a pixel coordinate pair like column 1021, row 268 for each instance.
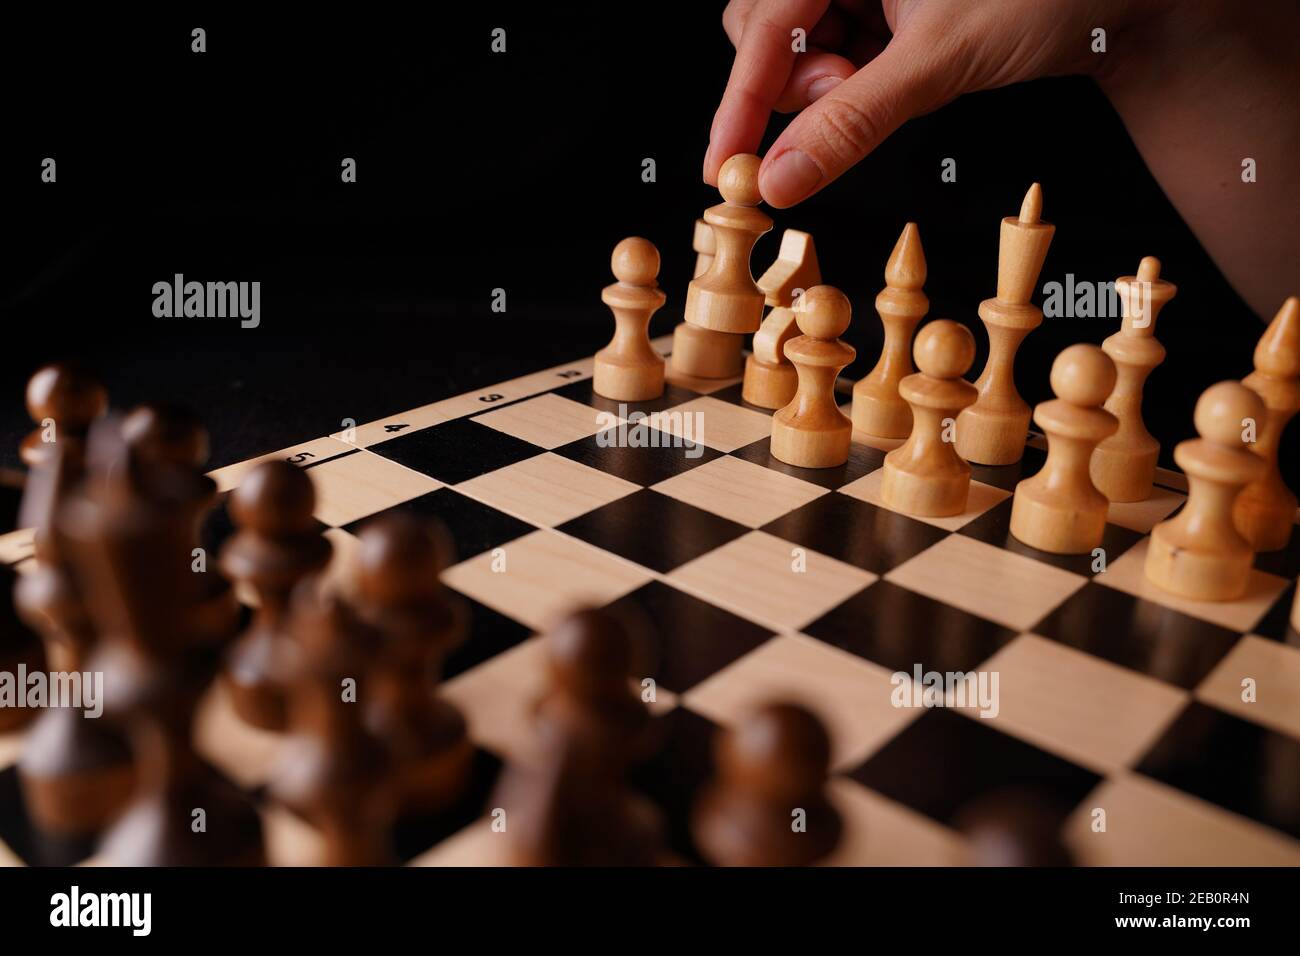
column 880, row 832
column 725, row 426
column 755, row 576
column 497, row 698
column 1149, row 824
column 364, row 484
column 548, row 420
column 248, row 755
column 1142, row 516
column 1128, row 574
column 546, row 575
column 997, row 585
column 8, row 857
column 546, row 490
column 1090, row 711
column 1274, row 667
column 852, row 695
column 746, row 493
column 982, row 497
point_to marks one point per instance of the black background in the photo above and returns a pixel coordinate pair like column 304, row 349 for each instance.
column 479, row 170
column 773, row 908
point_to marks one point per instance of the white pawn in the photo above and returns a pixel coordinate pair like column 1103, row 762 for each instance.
column 1059, row 509
column 925, row 475
column 726, row 298
column 629, row 369
column 723, row 302
column 1199, row 553
column 812, row 432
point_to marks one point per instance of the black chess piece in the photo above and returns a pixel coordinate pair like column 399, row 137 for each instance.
column 1014, row 827
column 571, row 805
column 277, row 545
column 332, row 771
column 75, row 773
column 129, row 539
column 768, row 806
column 168, row 447
column 591, row 697
column 569, row 809
column 399, row 593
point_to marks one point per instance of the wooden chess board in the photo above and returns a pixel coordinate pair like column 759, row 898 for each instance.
column 1114, row 696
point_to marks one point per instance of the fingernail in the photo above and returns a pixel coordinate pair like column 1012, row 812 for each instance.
column 789, row 178
column 821, row 87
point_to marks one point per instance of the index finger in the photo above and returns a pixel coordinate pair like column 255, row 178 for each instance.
column 764, row 58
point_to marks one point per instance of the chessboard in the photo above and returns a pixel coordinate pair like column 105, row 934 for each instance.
column 762, row 581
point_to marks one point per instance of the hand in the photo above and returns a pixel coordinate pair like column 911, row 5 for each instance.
column 856, row 84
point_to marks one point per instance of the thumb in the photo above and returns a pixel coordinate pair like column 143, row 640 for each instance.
column 844, row 125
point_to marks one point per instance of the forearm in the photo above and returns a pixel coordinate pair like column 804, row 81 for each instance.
column 1201, row 90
